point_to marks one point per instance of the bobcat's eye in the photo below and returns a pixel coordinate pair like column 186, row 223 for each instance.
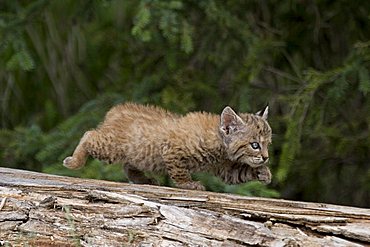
column 255, row 145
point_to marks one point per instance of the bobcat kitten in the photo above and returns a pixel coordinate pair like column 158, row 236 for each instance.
column 147, row 138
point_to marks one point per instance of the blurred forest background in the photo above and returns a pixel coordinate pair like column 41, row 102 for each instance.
column 63, row 64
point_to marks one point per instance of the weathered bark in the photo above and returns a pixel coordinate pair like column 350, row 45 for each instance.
column 46, row 210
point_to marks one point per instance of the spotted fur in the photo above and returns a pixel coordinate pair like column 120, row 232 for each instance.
column 149, row 138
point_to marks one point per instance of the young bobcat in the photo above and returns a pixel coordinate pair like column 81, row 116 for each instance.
column 147, row 138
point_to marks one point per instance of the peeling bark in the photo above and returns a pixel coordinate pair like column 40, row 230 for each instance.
column 47, row 210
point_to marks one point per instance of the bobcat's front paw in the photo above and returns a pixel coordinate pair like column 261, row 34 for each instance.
column 263, row 174
column 194, row 185
column 70, row 163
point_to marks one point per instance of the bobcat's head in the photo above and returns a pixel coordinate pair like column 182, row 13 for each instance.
column 246, row 136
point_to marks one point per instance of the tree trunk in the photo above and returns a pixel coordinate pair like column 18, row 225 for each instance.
column 46, row 210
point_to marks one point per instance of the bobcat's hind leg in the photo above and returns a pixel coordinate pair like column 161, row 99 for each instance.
column 136, row 176
column 78, row 159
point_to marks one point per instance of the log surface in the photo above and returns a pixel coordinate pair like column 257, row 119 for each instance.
column 38, row 209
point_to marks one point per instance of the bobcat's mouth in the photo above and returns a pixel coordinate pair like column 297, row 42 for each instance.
column 248, row 159
column 255, row 161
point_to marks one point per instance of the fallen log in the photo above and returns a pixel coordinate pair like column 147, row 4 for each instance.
column 39, row 209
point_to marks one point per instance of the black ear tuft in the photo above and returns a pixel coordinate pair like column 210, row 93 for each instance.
column 264, row 113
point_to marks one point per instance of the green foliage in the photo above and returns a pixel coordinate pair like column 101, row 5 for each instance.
column 165, row 17
column 309, row 60
column 141, row 21
column 19, row 147
column 21, row 60
column 253, row 188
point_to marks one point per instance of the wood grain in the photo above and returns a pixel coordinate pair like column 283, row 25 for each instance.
column 49, row 210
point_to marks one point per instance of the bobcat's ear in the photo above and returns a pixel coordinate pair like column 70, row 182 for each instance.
column 263, row 113
column 230, row 121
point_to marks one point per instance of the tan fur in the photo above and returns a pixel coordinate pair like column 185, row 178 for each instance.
column 148, row 138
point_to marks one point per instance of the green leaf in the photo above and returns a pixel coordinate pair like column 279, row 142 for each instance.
column 21, row 60
column 25, row 60
column 142, row 19
column 13, row 63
